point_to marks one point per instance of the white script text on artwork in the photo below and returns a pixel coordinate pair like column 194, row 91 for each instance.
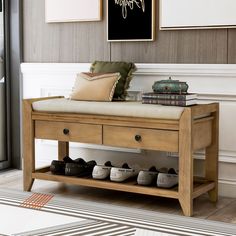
column 125, row 4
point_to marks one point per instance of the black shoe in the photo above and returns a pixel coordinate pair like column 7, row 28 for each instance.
column 58, row 167
column 172, row 171
column 108, row 164
column 67, row 159
column 80, row 169
column 153, row 169
column 125, row 166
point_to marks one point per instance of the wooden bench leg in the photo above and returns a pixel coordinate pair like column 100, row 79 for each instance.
column 186, row 163
column 63, row 150
column 28, row 146
column 186, row 188
column 211, row 162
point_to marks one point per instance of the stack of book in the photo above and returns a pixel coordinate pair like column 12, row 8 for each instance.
column 170, row 99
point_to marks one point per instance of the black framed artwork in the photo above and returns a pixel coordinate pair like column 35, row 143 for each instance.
column 130, row 20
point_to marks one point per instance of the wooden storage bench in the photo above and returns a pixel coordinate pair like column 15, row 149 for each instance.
column 188, row 130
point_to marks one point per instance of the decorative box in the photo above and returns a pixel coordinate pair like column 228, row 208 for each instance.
column 170, row 86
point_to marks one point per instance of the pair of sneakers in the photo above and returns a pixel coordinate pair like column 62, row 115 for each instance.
column 78, row 167
column 116, row 174
column 163, row 178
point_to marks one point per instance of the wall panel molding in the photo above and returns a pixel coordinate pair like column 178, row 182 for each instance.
column 200, row 70
column 215, row 70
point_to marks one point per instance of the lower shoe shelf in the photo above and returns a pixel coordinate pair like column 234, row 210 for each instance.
column 200, row 185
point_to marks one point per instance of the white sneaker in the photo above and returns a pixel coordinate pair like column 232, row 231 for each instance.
column 147, row 177
column 120, row 174
column 102, row 171
column 167, row 180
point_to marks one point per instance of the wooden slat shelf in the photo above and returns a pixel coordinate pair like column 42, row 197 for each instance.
column 106, row 184
column 130, row 186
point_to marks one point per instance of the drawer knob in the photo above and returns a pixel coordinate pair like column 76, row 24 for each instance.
column 66, row 131
column 138, row 138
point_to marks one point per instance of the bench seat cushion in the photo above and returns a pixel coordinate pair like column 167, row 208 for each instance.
column 127, row 108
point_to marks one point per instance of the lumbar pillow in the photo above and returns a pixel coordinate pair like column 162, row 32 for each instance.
column 95, row 87
column 124, row 68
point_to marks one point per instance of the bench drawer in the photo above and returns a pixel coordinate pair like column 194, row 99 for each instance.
column 162, row 140
column 65, row 131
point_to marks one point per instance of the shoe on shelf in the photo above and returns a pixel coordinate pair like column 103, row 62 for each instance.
column 58, row 167
column 163, row 170
column 169, row 171
column 80, row 168
column 172, row 171
column 67, row 159
column 120, row 174
column 147, row 177
column 167, row 180
column 102, row 171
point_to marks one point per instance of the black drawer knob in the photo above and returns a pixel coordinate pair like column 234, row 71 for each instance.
column 138, row 138
column 66, row 131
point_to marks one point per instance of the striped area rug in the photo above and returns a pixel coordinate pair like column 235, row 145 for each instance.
column 97, row 219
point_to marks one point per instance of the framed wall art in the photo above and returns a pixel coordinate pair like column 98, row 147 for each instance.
column 200, row 14
column 72, row 10
column 130, row 20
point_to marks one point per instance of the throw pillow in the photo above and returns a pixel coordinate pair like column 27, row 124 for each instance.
column 95, row 87
column 124, row 68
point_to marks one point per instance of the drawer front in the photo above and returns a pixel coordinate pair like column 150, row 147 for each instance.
column 163, row 140
column 65, row 131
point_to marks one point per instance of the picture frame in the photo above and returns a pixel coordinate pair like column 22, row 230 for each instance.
column 129, row 20
column 184, row 14
column 72, row 10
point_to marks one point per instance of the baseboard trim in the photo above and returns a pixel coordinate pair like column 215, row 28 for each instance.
column 224, row 156
column 227, row 188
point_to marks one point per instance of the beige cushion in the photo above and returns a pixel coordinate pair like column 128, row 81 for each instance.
column 95, row 87
column 129, row 109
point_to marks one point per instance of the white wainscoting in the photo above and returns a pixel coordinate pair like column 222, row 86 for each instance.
column 213, row 83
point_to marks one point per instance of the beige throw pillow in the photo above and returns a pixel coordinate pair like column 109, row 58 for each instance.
column 95, row 87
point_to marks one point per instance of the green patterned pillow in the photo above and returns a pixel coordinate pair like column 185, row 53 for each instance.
column 125, row 68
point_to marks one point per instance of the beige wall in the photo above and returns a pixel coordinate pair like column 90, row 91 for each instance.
column 86, row 42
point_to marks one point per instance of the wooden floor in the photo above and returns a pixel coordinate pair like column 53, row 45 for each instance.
column 224, row 210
